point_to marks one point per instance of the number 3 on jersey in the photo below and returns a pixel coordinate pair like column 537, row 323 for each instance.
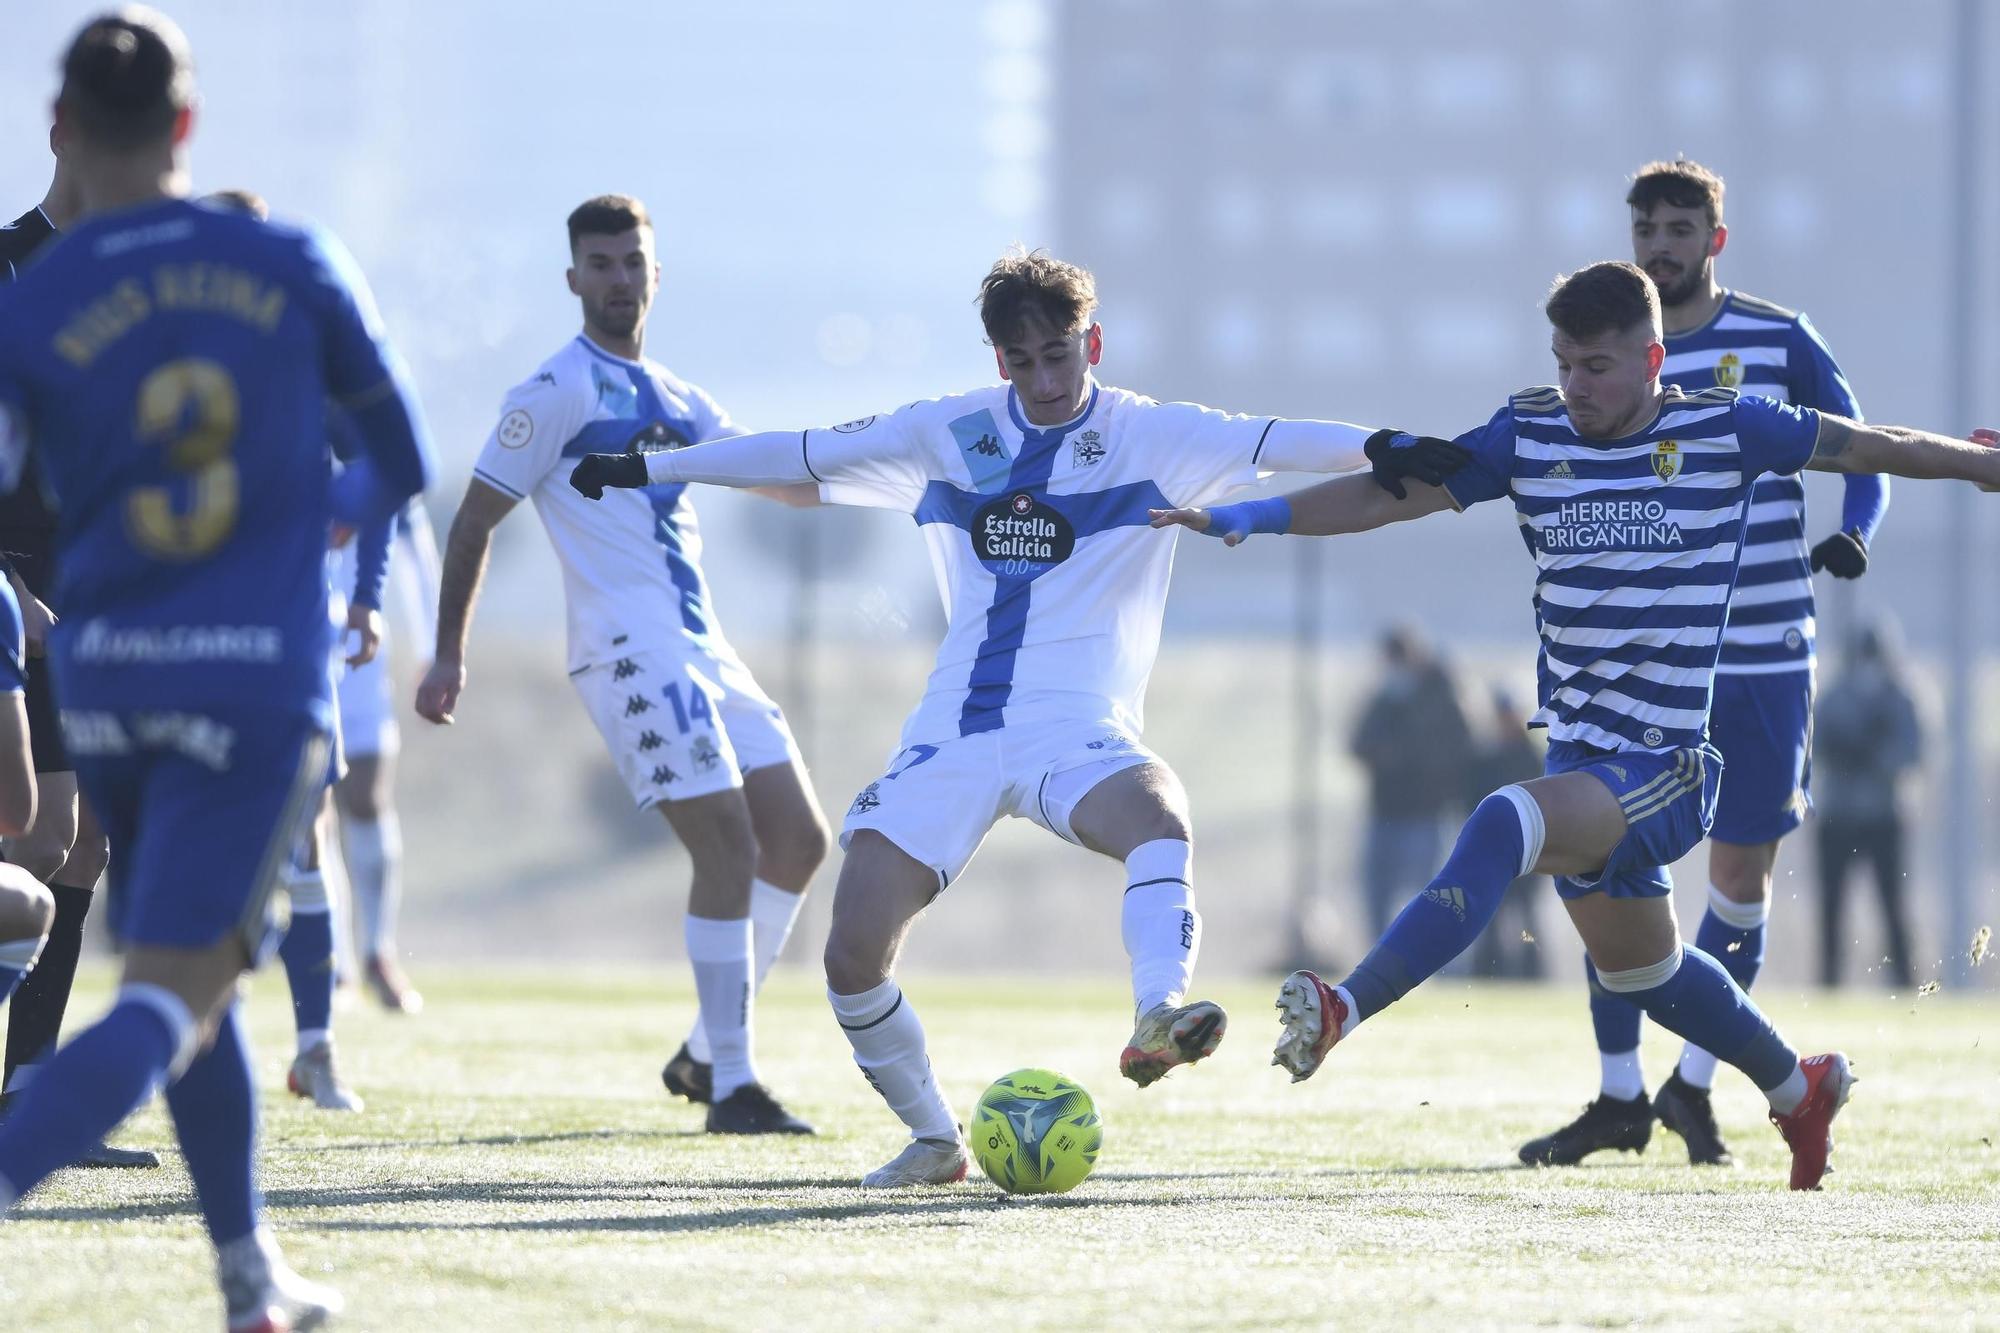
column 696, row 709
column 189, row 408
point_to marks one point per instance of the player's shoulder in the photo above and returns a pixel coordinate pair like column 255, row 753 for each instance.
column 947, row 409
column 565, row 372
column 1745, row 306
column 1537, row 400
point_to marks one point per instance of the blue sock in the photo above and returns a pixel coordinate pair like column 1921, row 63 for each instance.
column 308, row 955
column 88, row 1086
column 1613, row 1017
column 1735, row 940
column 214, row 1105
column 1693, row 997
column 1493, row 850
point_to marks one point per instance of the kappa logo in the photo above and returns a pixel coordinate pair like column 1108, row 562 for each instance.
column 870, row 797
column 704, row 754
column 624, row 669
column 637, row 704
column 546, row 377
column 650, row 740
column 988, row 446
column 1450, row 896
column 663, row 775
column 1088, row 449
column 1729, row 370
column 1667, row 460
column 1562, row 471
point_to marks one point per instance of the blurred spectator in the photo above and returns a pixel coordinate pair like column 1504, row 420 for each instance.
column 1866, row 738
column 1507, row 752
column 1413, row 740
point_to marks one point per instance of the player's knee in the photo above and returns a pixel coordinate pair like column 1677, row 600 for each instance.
column 790, row 856
column 27, row 908
column 853, row 964
column 361, row 802
column 87, row 862
column 44, row 848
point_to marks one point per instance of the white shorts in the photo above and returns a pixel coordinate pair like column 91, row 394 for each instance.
column 367, row 706
column 937, row 802
column 681, row 725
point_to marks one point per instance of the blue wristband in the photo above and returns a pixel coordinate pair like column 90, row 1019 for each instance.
column 1272, row 514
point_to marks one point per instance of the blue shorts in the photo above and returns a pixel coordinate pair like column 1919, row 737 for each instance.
column 202, row 809
column 1669, row 802
column 1763, row 727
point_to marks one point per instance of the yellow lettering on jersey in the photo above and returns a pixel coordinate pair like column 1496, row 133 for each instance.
column 219, row 289
column 103, row 322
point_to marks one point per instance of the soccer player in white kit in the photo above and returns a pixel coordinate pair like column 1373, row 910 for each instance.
column 1033, row 497
column 690, row 730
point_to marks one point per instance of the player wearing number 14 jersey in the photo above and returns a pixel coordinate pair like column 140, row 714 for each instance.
column 1032, row 496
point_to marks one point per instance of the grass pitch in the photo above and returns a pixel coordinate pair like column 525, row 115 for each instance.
column 519, row 1167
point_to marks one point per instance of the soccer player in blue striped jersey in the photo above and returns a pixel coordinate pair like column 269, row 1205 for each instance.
column 1634, row 498
column 1760, row 720
column 171, row 363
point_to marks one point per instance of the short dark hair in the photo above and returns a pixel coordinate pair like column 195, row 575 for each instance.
column 1609, row 297
column 606, row 215
column 243, row 201
column 1026, row 282
column 126, row 78
column 1680, row 184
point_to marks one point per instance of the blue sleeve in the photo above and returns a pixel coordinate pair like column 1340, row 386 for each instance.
column 13, row 643
column 1773, row 436
column 1490, row 473
column 1816, row 379
column 371, row 562
column 1863, row 503
column 367, row 379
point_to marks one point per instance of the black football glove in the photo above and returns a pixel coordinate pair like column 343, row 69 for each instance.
column 1424, row 458
column 1843, row 555
column 593, row 472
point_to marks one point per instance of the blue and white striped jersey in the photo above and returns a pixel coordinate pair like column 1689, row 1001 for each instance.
column 1762, row 349
column 631, row 563
column 1638, row 542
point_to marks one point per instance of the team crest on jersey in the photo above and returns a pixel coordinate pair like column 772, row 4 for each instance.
column 851, row 427
column 1729, row 370
column 1666, row 460
column 516, row 429
column 1088, row 449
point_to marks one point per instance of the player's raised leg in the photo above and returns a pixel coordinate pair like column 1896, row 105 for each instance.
column 1139, row 815
column 882, row 888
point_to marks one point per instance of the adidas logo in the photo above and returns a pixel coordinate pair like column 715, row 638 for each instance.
column 1450, row 896
column 1561, row 472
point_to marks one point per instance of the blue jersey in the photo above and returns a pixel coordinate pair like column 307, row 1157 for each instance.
column 13, row 643
column 1762, row 349
column 171, row 365
column 1637, row 542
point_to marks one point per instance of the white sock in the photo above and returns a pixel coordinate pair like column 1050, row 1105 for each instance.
column 772, row 914
column 1697, row 1067
column 1621, row 1076
column 719, row 953
column 1353, row 1019
column 375, row 867
column 888, row 1044
column 312, row 1037
column 1785, row 1098
column 333, row 874
column 1161, row 928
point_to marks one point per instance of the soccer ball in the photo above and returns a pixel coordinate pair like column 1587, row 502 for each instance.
column 1035, row 1132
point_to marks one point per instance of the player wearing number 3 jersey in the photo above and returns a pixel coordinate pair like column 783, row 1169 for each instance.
column 1033, row 497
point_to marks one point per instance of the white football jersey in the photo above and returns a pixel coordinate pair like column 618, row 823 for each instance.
column 1053, row 582
column 631, row 562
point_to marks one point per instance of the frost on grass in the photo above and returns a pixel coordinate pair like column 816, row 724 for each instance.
column 1928, row 988
column 1980, row 939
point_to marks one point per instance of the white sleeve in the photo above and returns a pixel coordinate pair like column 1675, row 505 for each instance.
column 1313, row 446
column 1198, row 455
column 768, row 458
column 538, row 417
column 877, row 462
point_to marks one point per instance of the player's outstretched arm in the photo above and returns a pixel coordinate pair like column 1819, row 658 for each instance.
column 768, row 458
column 1346, row 504
column 465, row 553
column 1904, row 451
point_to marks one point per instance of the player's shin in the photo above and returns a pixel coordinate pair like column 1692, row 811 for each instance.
column 1731, row 933
column 16, row 958
column 1161, row 929
column 307, row 953
column 374, row 849
column 1690, row 995
column 719, row 953
column 90, row 1085
column 1615, row 1020
column 214, row 1106
column 35, row 1020
column 888, row 1043
column 1499, row 843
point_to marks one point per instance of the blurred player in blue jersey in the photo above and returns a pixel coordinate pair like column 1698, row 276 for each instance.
column 1761, row 718
column 1032, row 495
column 692, row 733
column 170, row 363
column 1634, row 498
column 27, row 908
column 64, row 848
